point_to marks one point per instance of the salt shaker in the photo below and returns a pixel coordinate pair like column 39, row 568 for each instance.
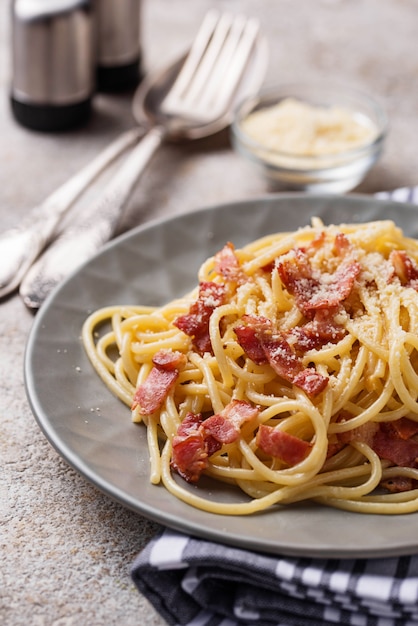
column 53, row 63
column 118, row 45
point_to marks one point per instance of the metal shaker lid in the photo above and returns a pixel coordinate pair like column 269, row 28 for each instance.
column 52, row 51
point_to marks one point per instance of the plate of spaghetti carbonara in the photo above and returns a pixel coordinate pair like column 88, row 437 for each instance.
column 247, row 373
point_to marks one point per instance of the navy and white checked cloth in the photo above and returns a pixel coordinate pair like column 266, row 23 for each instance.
column 195, row 582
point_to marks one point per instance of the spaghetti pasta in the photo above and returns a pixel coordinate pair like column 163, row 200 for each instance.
column 290, row 371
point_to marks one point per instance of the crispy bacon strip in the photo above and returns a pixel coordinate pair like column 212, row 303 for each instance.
column 311, row 381
column 405, row 268
column 296, row 275
column 322, row 329
column 342, row 284
column 317, row 242
column 197, row 439
column 388, row 444
column 262, row 345
column 392, row 441
column 196, row 322
column 341, row 244
column 247, row 334
column 150, row 395
column 364, row 433
column 169, row 360
column 227, row 264
column 405, row 428
column 287, row 365
column 191, row 449
column 334, row 446
column 279, row 444
column 397, row 484
column 225, row 426
column 312, row 291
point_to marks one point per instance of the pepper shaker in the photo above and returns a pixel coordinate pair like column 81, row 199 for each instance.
column 118, row 54
column 52, row 63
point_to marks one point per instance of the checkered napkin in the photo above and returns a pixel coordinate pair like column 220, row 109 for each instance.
column 403, row 194
column 195, row 582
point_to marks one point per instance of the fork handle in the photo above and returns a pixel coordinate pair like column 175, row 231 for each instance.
column 103, row 215
column 80, row 241
column 20, row 245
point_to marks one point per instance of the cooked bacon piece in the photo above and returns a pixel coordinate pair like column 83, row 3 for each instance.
column 190, row 453
column 261, row 344
column 289, row 366
column 227, row 264
column 405, row 428
column 194, row 422
column 397, row 484
column 405, row 268
column 322, row 329
column 341, row 244
column 340, row 287
column 225, row 426
column 310, row 381
column 334, row 445
column 196, row 322
column 249, row 342
column 296, row 274
column 169, row 360
column 393, row 443
column 364, row 433
column 312, row 292
column 248, row 339
column 316, row 243
column 389, row 445
column 221, row 429
column 318, row 332
column 190, row 457
column 281, row 356
column 197, row 439
column 390, row 440
column 150, row 395
column 269, row 267
column 239, row 412
column 279, row 444
column 190, row 425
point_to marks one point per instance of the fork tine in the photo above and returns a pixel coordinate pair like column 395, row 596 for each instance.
column 209, row 58
column 213, row 67
column 231, row 63
column 194, row 56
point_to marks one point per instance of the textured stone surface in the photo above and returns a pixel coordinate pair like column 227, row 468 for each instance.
column 66, row 548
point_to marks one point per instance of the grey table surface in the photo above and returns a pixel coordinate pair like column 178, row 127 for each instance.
column 66, row 548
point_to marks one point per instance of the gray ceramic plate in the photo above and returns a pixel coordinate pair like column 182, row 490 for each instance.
column 92, row 430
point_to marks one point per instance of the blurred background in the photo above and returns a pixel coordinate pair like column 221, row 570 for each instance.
column 362, row 43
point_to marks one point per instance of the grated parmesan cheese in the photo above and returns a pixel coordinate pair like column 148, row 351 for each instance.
column 300, row 129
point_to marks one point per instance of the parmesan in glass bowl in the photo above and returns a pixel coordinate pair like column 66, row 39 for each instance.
column 315, row 138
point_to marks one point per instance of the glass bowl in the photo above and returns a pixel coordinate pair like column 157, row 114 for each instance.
column 319, row 138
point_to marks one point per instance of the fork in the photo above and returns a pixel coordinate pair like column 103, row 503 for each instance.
column 198, row 103
column 213, row 67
